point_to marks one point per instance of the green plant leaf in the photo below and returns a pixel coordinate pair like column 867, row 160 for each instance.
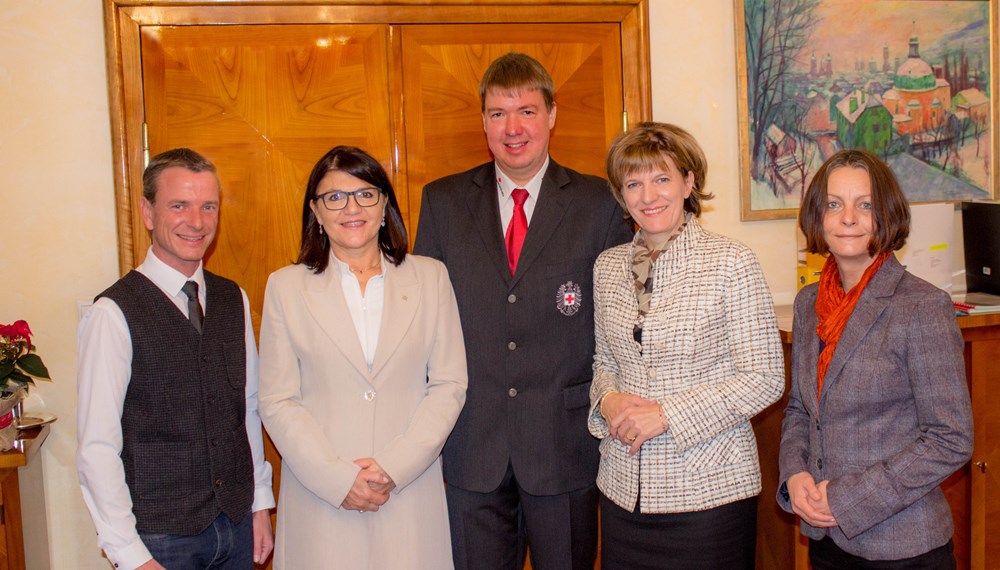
column 6, row 369
column 21, row 378
column 32, row 365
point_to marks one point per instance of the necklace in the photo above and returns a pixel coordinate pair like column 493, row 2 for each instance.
column 366, row 270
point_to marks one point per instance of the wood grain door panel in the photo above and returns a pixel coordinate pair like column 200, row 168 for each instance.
column 264, row 103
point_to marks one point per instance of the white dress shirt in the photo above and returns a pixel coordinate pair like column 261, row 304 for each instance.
column 104, row 350
column 504, row 188
column 365, row 308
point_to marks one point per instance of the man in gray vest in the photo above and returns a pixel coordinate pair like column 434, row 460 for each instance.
column 171, row 456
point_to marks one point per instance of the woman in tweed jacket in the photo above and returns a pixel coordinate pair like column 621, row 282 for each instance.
column 687, row 351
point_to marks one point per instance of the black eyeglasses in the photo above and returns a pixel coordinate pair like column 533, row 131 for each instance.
column 337, row 199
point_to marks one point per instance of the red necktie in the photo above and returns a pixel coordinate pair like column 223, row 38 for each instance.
column 517, row 228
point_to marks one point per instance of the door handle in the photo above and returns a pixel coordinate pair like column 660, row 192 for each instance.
column 981, row 465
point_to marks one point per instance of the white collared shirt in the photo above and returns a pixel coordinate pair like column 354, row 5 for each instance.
column 365, row 308
column 104, row 349
column 504, row 188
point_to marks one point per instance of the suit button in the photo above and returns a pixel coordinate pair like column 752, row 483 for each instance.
column 512, row 392
column 206, row 358
column 651, row 373
column 819, row 463
column 512, row 298
column 369, row 395
column 215, row 443
column 511, row 345
column 218, row 483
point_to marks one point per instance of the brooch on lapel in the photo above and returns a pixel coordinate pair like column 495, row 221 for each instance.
column 568, row 298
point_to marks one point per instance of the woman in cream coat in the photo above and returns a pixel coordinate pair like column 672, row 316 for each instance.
column 363, row 375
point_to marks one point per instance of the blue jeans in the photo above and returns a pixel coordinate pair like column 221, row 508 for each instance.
column 224, row 545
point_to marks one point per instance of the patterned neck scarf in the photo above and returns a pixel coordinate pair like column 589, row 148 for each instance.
column 834, row 308
column 645, row 257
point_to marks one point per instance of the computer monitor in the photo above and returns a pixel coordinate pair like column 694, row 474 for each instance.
column 981, row 233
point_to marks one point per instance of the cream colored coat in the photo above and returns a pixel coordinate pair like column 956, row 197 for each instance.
column 324, row 408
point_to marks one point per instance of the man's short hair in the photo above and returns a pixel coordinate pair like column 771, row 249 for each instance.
column 182, row 157
column 890, row 210
column 513, row 72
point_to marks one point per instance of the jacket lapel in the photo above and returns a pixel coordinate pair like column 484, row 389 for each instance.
column 549, row 211
column 325, row 299
column 870, row 306
column 402, row 297
column 485, row 212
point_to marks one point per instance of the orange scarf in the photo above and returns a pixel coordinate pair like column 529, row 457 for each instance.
column 834, row 308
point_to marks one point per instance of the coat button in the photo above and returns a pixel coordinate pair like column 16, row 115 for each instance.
column 218, row 483
column 819, row 463
column 512, row 298
column 369, row 395
column 512, row 392
column 511, row 345
column 651, row 373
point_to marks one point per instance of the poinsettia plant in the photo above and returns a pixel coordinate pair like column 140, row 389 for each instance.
column 19, row 365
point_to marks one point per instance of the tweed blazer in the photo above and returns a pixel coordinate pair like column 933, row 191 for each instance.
column 711, row 356
column 893, row 421
column 324, row 407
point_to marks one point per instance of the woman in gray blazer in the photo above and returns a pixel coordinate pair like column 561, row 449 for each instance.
column 687, row 351
column 879, row 414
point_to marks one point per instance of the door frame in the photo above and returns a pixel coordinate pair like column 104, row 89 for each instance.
column 124, row 18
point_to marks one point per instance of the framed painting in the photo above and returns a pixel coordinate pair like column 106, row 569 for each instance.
column 913, row 81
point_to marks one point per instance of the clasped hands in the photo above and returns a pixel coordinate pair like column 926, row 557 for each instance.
column 371, row 487
column 809, row 500
column 632, row 420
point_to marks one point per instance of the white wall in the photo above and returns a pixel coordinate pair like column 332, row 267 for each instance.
column 57, row 243
column 58, row 239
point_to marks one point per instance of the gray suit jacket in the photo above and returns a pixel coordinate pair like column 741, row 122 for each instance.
column 894, row 419
column 529, row 352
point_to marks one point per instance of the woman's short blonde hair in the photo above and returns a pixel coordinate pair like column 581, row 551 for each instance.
column 647, row 146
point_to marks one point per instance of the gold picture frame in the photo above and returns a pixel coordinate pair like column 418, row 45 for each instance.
column 915, row 81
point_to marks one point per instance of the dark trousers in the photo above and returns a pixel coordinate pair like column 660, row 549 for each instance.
column 826, row 555
column 492, row 531
column 224, row 545
column 723, row 537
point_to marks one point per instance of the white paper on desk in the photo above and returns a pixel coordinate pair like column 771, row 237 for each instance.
column 928, row 250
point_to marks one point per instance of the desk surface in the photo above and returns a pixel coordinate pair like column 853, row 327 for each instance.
column 28, row 443
column 786, row 312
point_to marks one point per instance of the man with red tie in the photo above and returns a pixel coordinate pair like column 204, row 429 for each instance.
column 519, row 236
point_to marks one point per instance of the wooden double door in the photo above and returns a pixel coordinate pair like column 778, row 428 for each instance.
column 265, row 90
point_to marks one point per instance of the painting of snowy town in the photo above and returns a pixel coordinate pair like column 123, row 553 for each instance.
column 910, row 80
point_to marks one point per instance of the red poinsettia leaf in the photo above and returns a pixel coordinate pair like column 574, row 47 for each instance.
column 22, row 329
column 32, row 365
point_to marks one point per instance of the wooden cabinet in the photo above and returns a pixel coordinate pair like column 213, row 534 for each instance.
column 973, row 491
column 12, row 556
